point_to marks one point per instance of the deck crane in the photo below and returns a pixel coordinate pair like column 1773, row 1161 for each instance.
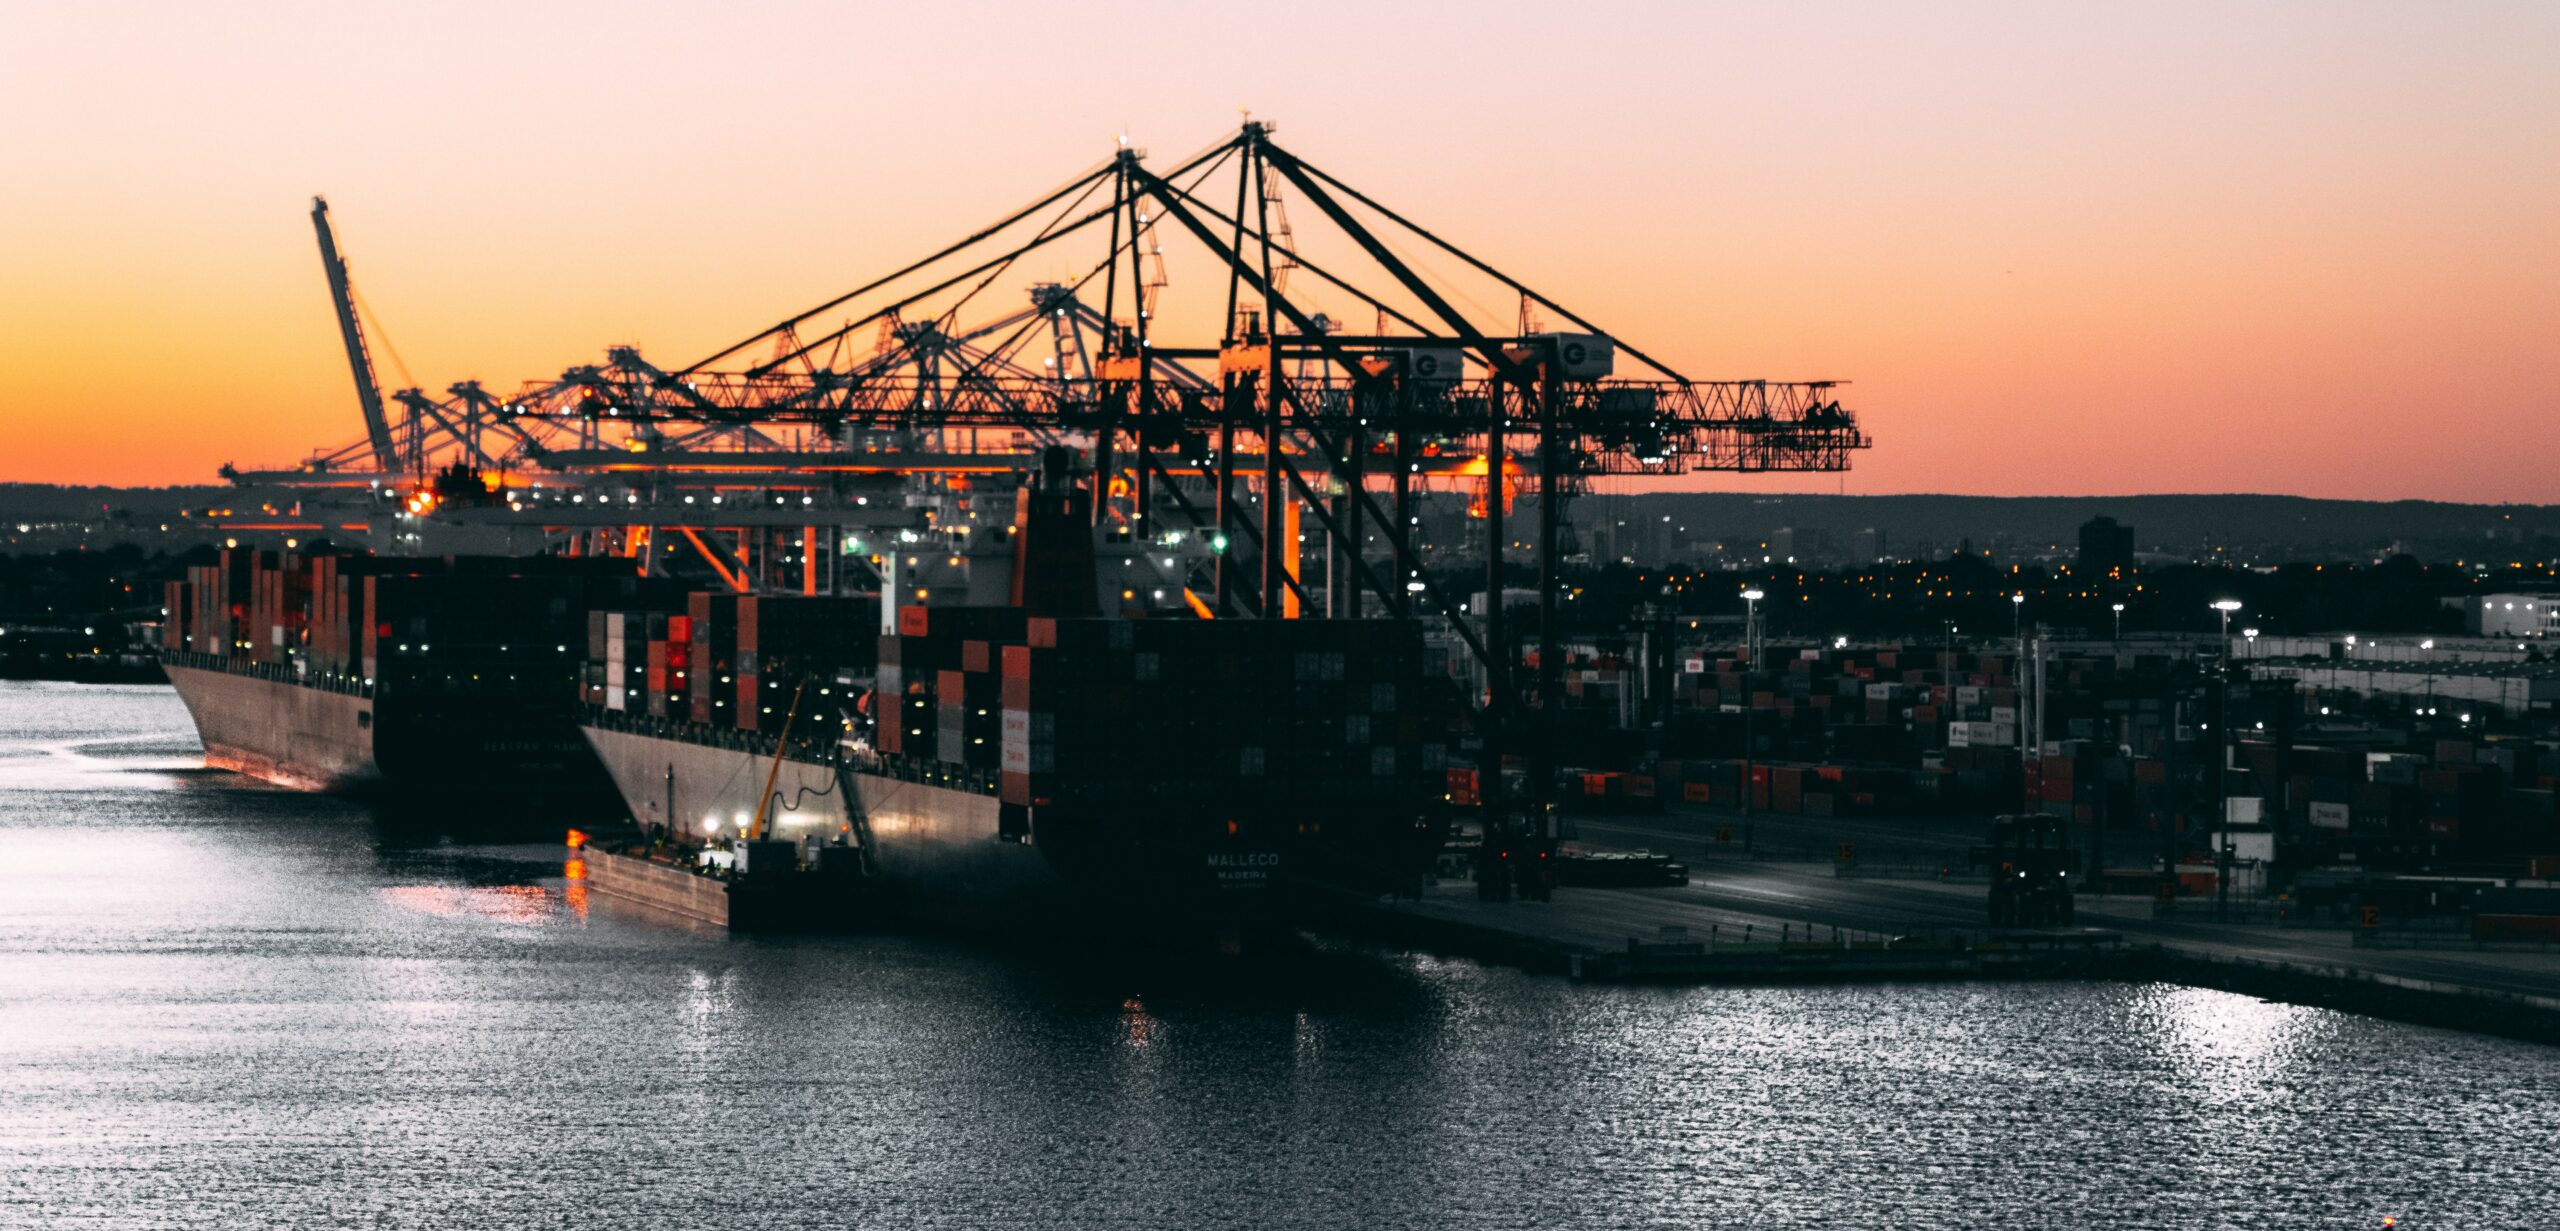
column 342, row 296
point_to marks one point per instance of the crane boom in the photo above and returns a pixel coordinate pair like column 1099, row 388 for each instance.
column 377, row 425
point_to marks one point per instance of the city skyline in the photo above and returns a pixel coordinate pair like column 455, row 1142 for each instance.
column 2174, row 250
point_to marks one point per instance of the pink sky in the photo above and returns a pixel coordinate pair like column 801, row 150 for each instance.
column 2160, row 247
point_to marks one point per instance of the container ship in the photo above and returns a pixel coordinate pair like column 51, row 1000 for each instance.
column 985, row 763
column 444, row 681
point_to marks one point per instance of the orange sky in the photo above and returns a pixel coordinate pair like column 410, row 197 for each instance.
column 2307, row 249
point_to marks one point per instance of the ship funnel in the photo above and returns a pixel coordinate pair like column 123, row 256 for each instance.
column 1053, row 565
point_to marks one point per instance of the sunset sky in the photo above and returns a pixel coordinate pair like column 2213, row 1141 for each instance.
column 2059, row 248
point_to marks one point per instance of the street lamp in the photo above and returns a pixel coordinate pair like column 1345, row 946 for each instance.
column 2018, row 608
column 2252, row 635
column 2119, row 621
column 1751, row 653
column 2224, row 607
column 2221, row 764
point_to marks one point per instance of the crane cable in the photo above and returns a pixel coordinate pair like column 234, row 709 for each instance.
column 375, row 319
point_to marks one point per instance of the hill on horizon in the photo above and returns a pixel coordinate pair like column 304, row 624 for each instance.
column 2170, row 523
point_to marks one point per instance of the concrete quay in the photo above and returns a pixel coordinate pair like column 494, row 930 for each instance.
column 1757, row 920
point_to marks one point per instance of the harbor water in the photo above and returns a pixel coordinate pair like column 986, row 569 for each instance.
column 227, row 1005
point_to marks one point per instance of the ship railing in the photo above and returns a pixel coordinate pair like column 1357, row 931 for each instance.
column 348, row 683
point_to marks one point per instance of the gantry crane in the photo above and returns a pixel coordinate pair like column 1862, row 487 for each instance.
column 1253, row 403
column 342, row 296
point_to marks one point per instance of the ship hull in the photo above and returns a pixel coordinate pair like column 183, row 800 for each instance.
column 308, row 739
column 482, row 759
column 939, row 849
column 941, row 854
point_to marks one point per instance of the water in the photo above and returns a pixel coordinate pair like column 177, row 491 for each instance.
column 228, row 1006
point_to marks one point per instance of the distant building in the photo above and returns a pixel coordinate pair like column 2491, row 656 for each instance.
column 2514, row 615
column 1640, row 540
column 2106, row 547
column 1867, row 546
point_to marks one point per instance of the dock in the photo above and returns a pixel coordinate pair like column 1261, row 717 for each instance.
column 1742, row 921
column 1627, row 935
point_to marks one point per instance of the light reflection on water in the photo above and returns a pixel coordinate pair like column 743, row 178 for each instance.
column 222, row 1005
